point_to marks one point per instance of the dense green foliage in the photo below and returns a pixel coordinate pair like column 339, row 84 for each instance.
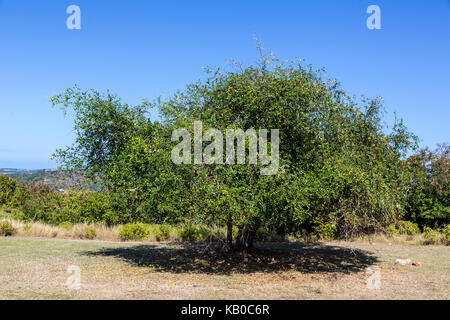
column 66, row 226
column 404, row 227
column 89, row 233
column 429, row 202
column 42, row 203
column 446, row 233
column 6, row 229
column 340, row 173
column 431, row 236
column 134, row 231
column 7, row 189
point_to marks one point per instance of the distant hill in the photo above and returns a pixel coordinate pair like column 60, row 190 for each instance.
column 9, row 171
column 56, row 179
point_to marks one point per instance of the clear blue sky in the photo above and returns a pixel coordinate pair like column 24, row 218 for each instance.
column 144, row 49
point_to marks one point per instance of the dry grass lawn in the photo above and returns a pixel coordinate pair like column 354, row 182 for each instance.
column 34, row 268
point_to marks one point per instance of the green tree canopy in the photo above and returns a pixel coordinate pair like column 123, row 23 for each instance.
column 340, row 173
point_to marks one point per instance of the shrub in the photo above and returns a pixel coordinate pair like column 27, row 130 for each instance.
column 391, row 229
column 191, row 232
column 7, row 189
column 404, row 228
column 134, row 231
column 66, row 226
column 326, row 231
column 217, row 234
column 431, row 236
column 162, row 232
column 90, row 233
column 266, row 235
column 188, row 232
column 6, row 229
column 446, row 234
column 408, row 228
column 12, row 214
column 428, row 200
column 37, row 202
column 94, row 207
column 204, row 233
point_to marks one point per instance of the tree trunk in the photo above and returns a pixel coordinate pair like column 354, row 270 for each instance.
column 244, row 239
column 229, row 234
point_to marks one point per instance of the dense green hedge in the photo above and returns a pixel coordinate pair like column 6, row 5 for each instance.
column 44, row 204
column 39, row 203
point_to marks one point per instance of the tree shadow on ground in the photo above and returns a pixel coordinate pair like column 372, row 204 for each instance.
column 265, row 258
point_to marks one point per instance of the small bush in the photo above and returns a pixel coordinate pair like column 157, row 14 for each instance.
column 408, row 228
column 392, row 229
column 446, row 234
column 190, row 232
column 326, row 231
column 89, row 233
column 431, row 236
column 66, row 226
column 204, row 233
column 134, row 231
column 404, row 228
column 94, row 207
column 265, row 235
column 6, row 229
column 162, row 232
column 217, row 234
